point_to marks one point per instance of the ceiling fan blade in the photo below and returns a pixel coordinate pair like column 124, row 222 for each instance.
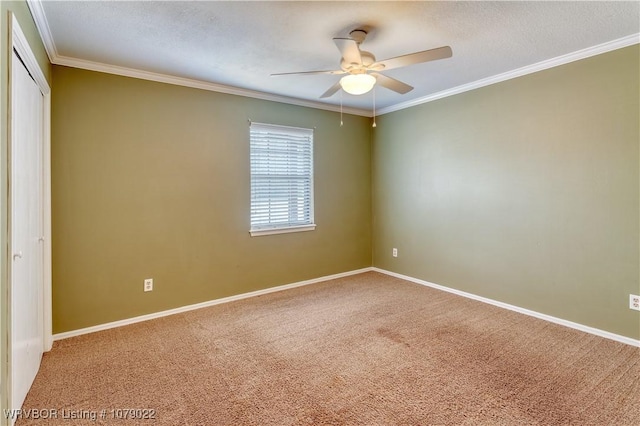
column 349, row 50
column 332, row 90
column 309, row 73
column 392, row 83
column 417, row 58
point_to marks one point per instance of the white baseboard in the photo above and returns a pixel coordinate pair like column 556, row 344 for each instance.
column 181, row 309
column 570, row 324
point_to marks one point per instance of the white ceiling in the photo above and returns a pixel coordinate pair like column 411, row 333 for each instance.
column 238, row 44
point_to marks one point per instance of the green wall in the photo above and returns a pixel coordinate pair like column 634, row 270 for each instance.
column 526, row 192
column 21, row 11
column 151, row 180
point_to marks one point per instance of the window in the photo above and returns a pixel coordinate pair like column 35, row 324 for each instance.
column 281, row 179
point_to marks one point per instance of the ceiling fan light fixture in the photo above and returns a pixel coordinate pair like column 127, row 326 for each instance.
column 357, row 84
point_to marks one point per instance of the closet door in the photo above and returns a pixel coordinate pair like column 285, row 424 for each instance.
column 26, row 228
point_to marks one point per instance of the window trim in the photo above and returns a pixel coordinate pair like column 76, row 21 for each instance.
column 282, row 230
column 285, row 229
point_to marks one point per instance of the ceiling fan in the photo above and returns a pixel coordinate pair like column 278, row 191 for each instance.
column 363, row 71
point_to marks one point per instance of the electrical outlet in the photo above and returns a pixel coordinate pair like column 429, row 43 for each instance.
column 148, row 284
column 395, row 252
column 634, row 302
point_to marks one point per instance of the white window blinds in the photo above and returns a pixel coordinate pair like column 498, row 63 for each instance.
column 281, row 179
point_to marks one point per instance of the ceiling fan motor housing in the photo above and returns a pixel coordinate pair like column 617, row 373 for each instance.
column 367, row 60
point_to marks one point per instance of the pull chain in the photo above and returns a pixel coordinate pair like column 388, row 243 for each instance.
column 341, row 123
column 374, row 107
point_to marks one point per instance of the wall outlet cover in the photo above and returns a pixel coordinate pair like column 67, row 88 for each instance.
column 148, row 284
column 634, row 302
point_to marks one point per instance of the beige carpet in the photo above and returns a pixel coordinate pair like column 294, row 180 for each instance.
column 363, row 350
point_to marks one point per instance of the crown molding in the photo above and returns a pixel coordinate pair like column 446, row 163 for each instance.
column 529, row 69
column 37, row 12
column 199, row 84
column 45, row 33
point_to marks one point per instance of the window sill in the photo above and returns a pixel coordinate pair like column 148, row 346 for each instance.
column 271, row 231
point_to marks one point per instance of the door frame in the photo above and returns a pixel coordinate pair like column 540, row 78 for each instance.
column 21, row 45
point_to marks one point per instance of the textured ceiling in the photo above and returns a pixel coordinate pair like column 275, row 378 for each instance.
column 240, row 44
